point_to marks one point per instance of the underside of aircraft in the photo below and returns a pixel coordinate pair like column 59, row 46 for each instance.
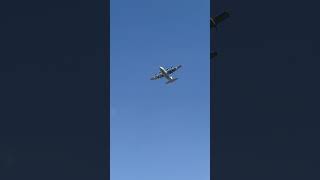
column 166, row 73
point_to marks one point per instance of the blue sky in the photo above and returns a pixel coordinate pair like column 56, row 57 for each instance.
column 160, row 131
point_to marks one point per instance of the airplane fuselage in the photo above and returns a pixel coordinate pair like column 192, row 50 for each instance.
column 164, row 72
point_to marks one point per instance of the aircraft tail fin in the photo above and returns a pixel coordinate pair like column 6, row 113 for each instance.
column 171, row 81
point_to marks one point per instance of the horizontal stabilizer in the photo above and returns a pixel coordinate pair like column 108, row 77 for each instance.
column 171, row 81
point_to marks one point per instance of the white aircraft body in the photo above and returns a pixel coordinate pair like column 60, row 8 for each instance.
column 166, row 73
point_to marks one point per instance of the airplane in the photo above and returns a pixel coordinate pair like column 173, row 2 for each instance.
column 218, row 19
column 166, row 73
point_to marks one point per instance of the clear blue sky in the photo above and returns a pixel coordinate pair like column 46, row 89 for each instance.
column 159, row 131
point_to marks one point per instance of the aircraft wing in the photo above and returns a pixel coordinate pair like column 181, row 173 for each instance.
column 221, row 17
column 157, row 76
column 173, row 69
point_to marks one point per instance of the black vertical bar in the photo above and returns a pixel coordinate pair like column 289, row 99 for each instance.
column 107, row 89
column 213, row 173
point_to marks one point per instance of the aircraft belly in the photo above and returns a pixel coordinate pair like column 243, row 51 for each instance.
column 165, row 73
column 167, row 76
